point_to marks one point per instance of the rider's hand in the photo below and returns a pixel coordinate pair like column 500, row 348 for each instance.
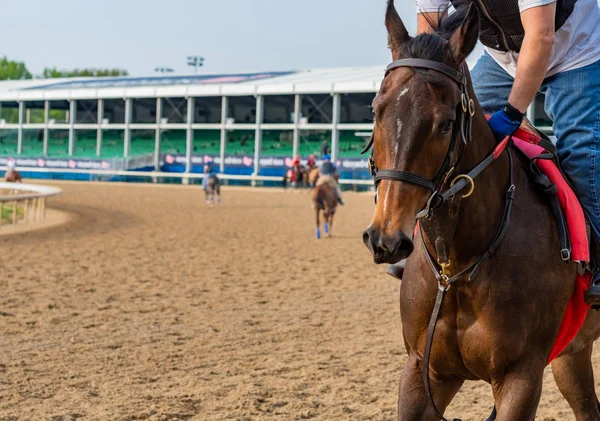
column 506, row 121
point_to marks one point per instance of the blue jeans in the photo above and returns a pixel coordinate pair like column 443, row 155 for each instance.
column 573, row 103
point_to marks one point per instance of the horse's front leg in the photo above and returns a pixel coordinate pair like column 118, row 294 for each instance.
column 317, row 211
column 413, row 402
column 517, row 393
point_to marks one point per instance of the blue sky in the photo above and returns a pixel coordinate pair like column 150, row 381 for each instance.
column 233, row 35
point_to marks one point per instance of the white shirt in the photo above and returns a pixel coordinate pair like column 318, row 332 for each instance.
column 576, row 43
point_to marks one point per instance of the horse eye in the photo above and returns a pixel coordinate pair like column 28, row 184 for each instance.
column 447, row 126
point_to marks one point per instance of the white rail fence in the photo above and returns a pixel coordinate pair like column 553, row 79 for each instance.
column 185, row 177
column 24, row 203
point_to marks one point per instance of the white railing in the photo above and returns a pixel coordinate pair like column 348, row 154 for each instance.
column 23, row 203
column 185, row 177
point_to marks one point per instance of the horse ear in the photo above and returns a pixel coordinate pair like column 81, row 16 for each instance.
column 397, row 33
column 464, row 39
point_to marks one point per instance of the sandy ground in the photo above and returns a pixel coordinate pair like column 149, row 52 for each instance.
column 52, row 218
column 147, row 305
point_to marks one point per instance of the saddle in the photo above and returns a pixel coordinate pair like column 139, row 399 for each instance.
column 545, row 172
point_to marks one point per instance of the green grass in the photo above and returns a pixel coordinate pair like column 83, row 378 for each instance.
column 6, row 212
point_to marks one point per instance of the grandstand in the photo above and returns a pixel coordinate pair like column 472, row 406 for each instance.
column 257, row 115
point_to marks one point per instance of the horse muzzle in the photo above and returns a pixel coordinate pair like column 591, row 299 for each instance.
column 387, row 248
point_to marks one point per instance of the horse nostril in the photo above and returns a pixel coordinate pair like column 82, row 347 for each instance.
column 366, row 237
column 370, row 238
column 405, row 246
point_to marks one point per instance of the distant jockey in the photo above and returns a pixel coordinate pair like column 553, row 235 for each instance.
column 327, row 175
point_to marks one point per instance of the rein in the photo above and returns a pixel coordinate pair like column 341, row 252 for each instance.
column 465, row 113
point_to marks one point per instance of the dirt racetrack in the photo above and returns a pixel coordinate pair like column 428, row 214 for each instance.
column 148, row 305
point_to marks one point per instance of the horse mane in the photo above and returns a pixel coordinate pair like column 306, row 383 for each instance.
column 432, row 46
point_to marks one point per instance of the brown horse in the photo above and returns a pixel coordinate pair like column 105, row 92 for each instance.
column 324, row 200
column 498, row 321
column 313, row 176
column 213, row 186
column 299, row 175
column 13, row 176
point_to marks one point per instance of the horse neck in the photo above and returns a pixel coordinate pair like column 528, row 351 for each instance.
column 480, row 214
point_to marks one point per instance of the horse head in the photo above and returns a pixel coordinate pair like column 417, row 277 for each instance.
column 416, row 115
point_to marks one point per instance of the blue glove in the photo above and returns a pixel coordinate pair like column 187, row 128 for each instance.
column 503, row 124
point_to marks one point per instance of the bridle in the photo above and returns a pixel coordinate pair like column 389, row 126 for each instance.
column 465, row 110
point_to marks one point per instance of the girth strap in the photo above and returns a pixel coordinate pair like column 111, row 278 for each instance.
column 550, row 190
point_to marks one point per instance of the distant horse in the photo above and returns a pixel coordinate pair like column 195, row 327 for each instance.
column 324, row 199
column 213, row 185
column 313, row 176
column 300, row 176
column 13, row 176
column 296, row 176
column 287, row 178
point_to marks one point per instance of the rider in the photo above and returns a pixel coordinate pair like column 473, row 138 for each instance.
column 10, row 168
column 548, row 46
column 312, row 162
column 327, row 173
column 208, row 173
column 296, row 163
column 325, row 148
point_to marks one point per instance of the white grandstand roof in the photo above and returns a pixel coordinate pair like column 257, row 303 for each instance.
column 311, row 81
column 354, row 79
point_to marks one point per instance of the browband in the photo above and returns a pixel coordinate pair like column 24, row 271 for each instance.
column 427, row 64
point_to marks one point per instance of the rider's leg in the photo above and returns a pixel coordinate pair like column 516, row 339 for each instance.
column 492, row 87
column 330, row 179
column 204, row 181
column 491, row 83
column 396, row 270
column 572, row 102
column 322, row 180
column 338, row 192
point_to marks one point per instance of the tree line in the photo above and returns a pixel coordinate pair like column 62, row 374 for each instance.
column 17, row 70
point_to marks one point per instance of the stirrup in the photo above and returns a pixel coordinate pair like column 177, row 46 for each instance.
column 592, row 294
column 396, row 270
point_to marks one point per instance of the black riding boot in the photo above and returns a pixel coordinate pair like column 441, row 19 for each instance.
column 396, row 270
column 592, row 295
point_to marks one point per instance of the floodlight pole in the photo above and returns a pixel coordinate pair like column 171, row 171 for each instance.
column 196, row 62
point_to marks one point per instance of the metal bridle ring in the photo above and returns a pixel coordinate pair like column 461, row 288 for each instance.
column 469, row 179
column 471, row 107
column 464, row 102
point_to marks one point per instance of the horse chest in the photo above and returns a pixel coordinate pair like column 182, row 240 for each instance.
column 465, row 350
column 462, row 344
